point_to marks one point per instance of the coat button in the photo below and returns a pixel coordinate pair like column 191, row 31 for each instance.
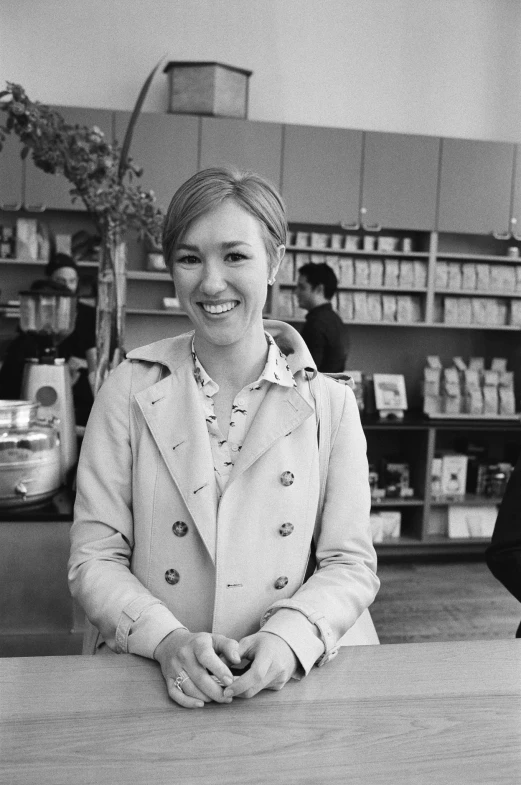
column 179, row 528
column 286, row 529
column 281, row 582
column 287, row 478
column 172, row 577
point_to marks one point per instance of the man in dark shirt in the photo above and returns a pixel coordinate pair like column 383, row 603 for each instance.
column 324, row 332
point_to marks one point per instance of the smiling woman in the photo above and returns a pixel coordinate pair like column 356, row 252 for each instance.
column 199, row 482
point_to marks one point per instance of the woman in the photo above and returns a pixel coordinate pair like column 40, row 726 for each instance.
column 198, row 481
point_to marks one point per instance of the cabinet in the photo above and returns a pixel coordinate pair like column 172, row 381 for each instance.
column 52, row 192
column 165, row 146
column 475, row 186
column 321, row 171
column 249, row 146
column 400, row 176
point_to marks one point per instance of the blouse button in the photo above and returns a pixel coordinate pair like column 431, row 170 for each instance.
column 281, row 582
column 287, row 478
column 286, row 529
column 172, row 577
column 180, row 528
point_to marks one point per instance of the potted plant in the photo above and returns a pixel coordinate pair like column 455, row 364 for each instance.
column 105, row 178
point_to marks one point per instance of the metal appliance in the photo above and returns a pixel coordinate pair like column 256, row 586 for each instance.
column 51, row 316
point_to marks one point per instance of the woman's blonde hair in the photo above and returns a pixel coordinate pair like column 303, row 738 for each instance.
column 209, row 188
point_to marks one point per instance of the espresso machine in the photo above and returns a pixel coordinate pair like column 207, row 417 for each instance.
column 50, row 316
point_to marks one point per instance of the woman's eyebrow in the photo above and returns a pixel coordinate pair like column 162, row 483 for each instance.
column 226, row 245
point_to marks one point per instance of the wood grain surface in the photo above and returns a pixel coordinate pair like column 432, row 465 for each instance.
column 412, row 713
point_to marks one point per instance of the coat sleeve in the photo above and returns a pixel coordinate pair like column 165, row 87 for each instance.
column 345, row 583
column 504, row 552
column 128, row 616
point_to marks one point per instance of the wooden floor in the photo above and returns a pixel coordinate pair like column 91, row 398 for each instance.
column 442, row 602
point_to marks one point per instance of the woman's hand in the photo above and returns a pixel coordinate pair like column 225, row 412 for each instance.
column 194, row 654
column 273, row 663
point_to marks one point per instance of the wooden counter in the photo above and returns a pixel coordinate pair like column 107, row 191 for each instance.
column 441, row 713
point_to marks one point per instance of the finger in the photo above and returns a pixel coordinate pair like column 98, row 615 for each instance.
column 192, row 690
column 179, row 697
column 227, row 648
column 208, row 657
column 253, row 680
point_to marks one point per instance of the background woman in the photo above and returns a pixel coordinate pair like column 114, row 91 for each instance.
column 198, row 481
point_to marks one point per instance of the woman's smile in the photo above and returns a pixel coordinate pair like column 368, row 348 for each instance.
column 216, row 309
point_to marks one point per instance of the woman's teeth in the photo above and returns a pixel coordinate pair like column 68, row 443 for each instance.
column 221, row 308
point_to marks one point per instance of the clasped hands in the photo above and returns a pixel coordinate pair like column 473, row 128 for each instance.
column 206, row 660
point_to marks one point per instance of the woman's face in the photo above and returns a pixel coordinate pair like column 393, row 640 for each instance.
column 67, row 276
column 220, row 271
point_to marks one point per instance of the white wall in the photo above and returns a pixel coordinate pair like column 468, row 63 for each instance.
column 442, row 67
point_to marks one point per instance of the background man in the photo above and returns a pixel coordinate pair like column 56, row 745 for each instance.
column 324, row 331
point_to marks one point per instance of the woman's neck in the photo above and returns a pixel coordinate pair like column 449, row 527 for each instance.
column 236, row 365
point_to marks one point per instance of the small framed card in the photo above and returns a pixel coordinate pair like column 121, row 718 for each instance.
column 389, row 392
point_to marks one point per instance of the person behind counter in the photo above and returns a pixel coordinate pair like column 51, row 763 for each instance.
column 78, row 348
column 198, row 479
column 324, row 332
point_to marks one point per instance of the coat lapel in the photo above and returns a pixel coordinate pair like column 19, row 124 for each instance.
column 282, row 410
column 174, row 415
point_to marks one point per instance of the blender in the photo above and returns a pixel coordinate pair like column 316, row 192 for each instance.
column 50, row 316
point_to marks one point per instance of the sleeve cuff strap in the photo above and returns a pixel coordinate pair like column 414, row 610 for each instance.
column 314, row 617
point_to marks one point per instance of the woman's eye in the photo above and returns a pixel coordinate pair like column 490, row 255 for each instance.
column 188, row 260
column 236, row 257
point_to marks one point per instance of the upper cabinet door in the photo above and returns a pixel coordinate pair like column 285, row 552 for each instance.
column 52, row 191
column 400, row 181
column 165, row 147
column 516, row 195
column 243, row 144
column 321, row 174
column 475, row 186
column 11, row 179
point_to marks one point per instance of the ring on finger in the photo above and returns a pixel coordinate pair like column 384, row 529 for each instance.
column 180, row 680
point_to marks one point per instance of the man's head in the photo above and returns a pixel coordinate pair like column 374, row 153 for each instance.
column 63, row 269
column 316, row 285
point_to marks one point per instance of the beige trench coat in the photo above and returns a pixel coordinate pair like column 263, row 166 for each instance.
column 151, row 549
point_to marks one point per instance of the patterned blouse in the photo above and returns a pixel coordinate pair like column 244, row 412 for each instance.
column 244, row 409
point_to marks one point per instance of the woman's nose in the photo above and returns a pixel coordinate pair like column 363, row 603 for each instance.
column 213, row 281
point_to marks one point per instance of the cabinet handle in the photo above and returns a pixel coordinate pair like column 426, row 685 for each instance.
column 35, row 208
column 354, row 227
column 502, row 235
column 372, row 227
column 516, row 237
column 11, row 207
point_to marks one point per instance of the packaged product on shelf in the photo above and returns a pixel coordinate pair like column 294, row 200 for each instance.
column 495, row 278
column 432, row 385
column 319, row 240
column 477, row 364
column 407, row 244
column 454, row 276
column 482, row 276
column 302, row 239
column 436, row 478
column 27, row 239
column 515, row 313
column 285, row 303
column 387, row 243
column 346, row 306
column 501, row 312
column 451, row 391
column 337, row 242
column 499, row 364
column 376, row 272
column 450, row 310
column 479, row 310
column 286, row 273
column 492, row 479
column 420, row 274
column 406, row 274
column 333, row 262
column 464, row 310
column 7, row 242
column 442, row 275
column 301, row 258
column 490, row 392
column 518, row 278
column 507, row 401
column 471, row 521
column 408, row 309
column 346, row 269
column 453, row 476
column 351, row 242
column 396, row 479
column 388, row 307
column 361, row 272
column 358, row 389
column 63, row 243
column 360, row 306
column 468, row 276
column 385, row 525
column 391, row 272
column 369, row 243
column 374, row 306
column 472, row 393
column 317, row 258
column 508, row 283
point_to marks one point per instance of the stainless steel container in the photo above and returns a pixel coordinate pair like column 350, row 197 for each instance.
column 29, row 455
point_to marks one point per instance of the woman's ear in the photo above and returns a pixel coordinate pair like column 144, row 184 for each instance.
column 275, row 263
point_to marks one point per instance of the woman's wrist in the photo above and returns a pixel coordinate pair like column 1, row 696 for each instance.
column 173, row 638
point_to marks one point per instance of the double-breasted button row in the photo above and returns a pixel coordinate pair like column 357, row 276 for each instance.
column 286, row 529
column 180, row 528
column 281, row 582
column 172, row 577
column 287, row 478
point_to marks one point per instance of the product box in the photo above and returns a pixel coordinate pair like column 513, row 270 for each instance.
column 346, row 306
column 386, row 244
column 374, row 306
column 495, row 278
column 507, row 401
column 361, row 272
column 518, row 278
column 468, row 276
column 490, row 393
column 472, row 393
column 376, row 272
column 302, row 239
column 388, row 307
column 451, row 391
column 515, row 313
column 509, row 279
column 454, row 276
column 408, row 309
column 346, row 269
column 207, row 88
column 301, row 258
column 450, row 310
column 482, row 277
column 453, row 476
column 442, row 275
column 334, row 262
column 317, row 258
column 464, row 310
column 406, row 274
column 436, row 478
column 351, row 242
column 337, row 242
column 420, row 274
column 391, row 272
column 319, row 240
column 27, row 239
column 396, row 479
column 360, row 307
column 385, row 525
column 479, row 310
column 471, row 521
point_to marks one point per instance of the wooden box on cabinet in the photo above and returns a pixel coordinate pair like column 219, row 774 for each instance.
column 208, row 89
